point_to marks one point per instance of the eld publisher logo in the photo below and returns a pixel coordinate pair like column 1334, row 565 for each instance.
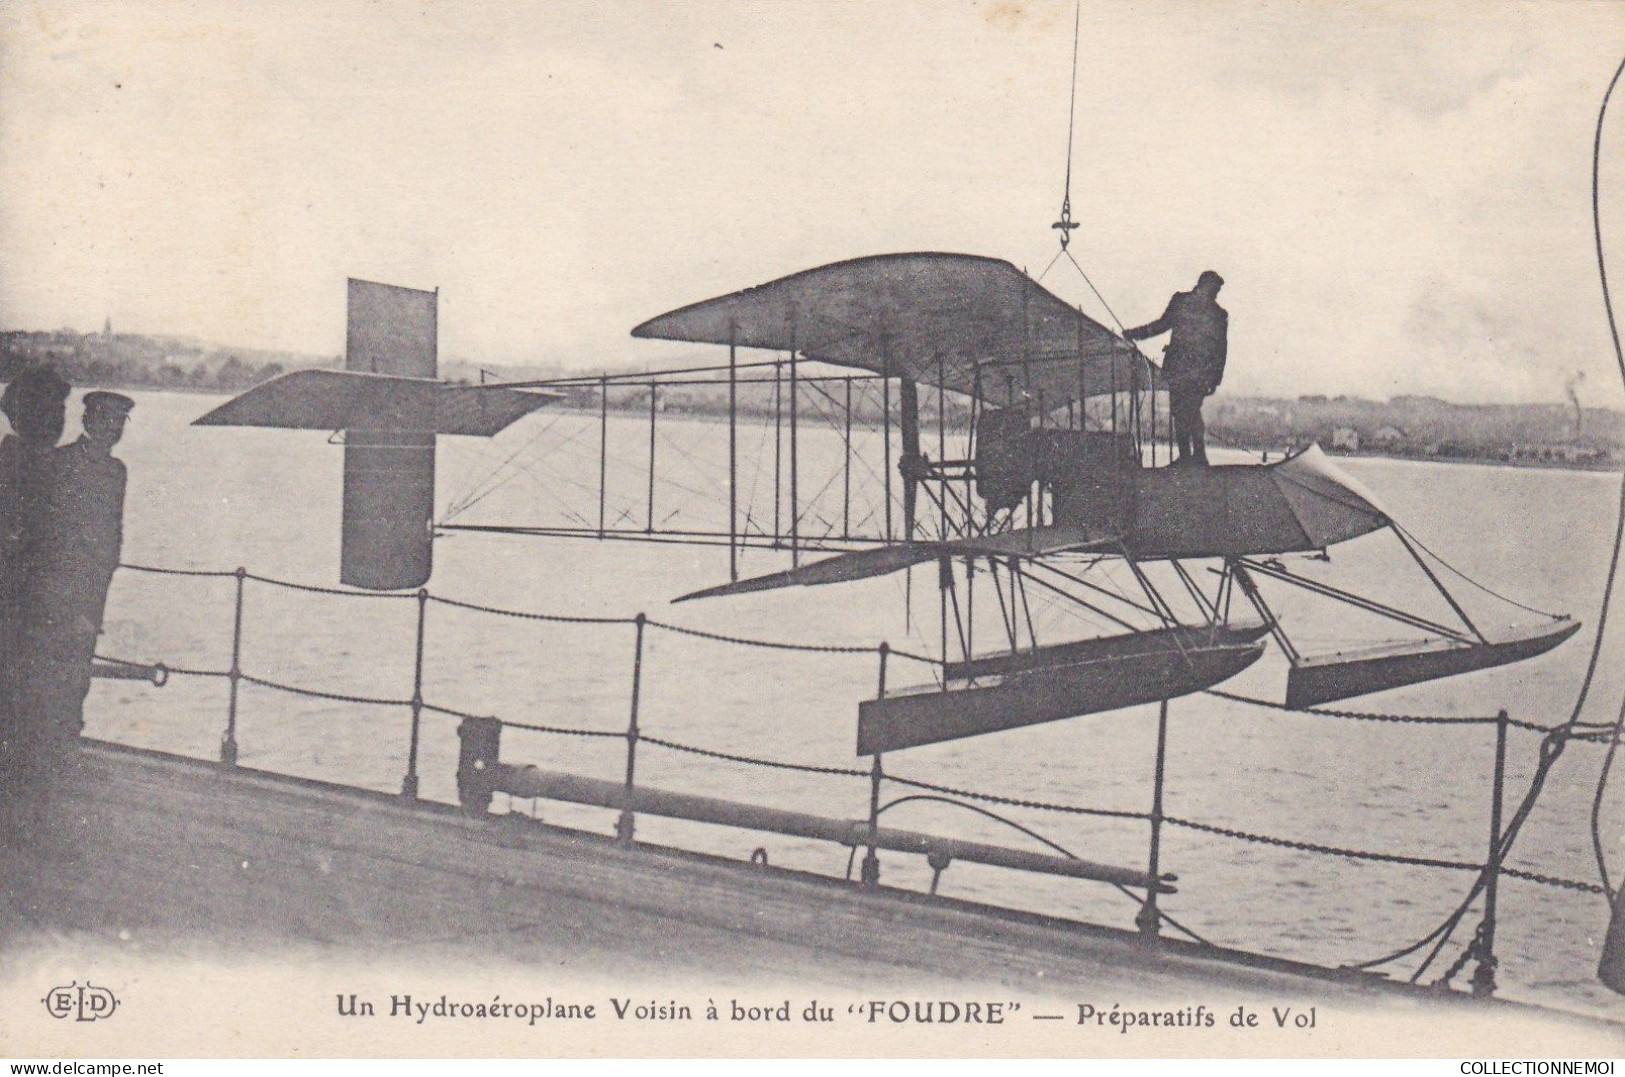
column 86, row 1003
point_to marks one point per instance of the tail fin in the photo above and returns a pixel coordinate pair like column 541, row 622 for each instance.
column 391, row 410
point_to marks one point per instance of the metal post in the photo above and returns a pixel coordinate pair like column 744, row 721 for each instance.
column 1448, row 597
column 945, row 583
column 1027, row 388
column 624, row 825
column 733, row 454
column 871, row 860
column 228, row 743
column 653, row 392
column 846, row 469
column 885, row 437
column 1026, row 350
column 1038, row 487
column 1484, row 973
column 942, row 447
column 1113, row 361
column 778, row 449
column 1149, row 920
column 1154, row 432
column 971, row 435
column 1139, row 407
column 970, row 608
column 795, row 457
column 603, row 449
column 1083, row 379
column 409, row 785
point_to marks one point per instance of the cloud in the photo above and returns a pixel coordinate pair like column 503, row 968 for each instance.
column 1418, row 59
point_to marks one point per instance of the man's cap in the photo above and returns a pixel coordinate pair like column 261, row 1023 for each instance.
column 39, row 383
column 1210, row 277
column 108, row 403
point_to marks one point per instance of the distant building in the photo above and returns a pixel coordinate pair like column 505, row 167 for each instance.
column 1559, row 454
column 1346, row 438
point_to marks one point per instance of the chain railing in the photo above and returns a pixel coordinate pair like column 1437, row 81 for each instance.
column 866, row 834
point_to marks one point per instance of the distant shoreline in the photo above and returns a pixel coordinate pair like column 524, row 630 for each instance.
column 1601, row 466
column 1614, row 466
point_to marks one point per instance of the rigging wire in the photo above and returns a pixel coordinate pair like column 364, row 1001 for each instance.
column 1036, row 836
column 1555, row 741
column 1066, row 224
column 477, row 490
column 1619, row 528
column 1459, row 574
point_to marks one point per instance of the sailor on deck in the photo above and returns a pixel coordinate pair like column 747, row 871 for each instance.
column 34, row 404
column 1193, row 364
column 68, row 562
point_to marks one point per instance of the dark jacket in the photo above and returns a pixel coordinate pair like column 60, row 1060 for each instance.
column 73, row 549
column 1196, row 351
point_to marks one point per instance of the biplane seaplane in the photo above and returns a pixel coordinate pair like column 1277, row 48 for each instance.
column 1051, row 462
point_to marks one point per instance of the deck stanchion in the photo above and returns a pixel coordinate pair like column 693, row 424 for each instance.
column 877, row 774
column 1149, row 919
column 228, row 743
column 624, row 825
column 1484, row 973
column 409, row 785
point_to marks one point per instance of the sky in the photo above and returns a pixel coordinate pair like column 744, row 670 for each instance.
column 1398, row 194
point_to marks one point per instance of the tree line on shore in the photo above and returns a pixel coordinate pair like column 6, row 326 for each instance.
column 1419, row 426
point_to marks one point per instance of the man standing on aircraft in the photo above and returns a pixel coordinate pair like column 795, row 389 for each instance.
column 1193, row 363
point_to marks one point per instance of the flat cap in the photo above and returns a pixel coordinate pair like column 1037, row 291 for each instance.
column 112, row 403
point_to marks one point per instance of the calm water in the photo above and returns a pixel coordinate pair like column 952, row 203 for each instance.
column 269, row 500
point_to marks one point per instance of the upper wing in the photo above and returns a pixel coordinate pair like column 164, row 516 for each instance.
column 975, row 325
column 348, row 400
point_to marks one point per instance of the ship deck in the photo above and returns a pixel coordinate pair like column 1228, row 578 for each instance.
column 216, row 867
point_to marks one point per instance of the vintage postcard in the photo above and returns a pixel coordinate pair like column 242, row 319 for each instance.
column 902, row 529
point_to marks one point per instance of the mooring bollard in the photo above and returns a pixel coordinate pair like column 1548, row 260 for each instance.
column 480, row 752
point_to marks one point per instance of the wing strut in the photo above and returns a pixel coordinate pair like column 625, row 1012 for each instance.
column 908, row 463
